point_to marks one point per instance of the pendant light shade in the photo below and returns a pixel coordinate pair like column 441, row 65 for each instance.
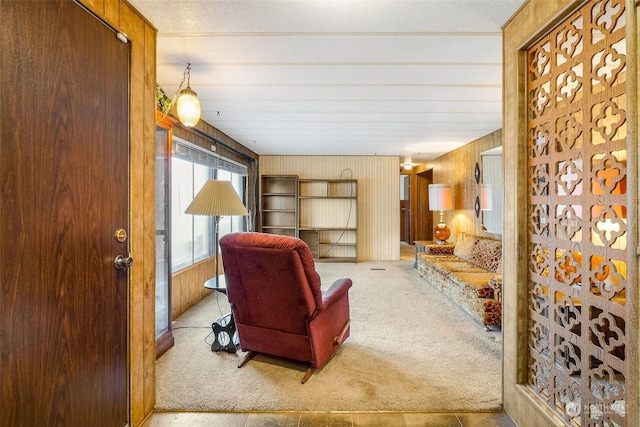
column 186, row 101
column 188, row 107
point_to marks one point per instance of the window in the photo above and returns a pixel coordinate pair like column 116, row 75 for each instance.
column 192, row 235
column 229, row 224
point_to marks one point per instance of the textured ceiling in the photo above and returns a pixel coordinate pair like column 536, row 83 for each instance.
column 346, row 77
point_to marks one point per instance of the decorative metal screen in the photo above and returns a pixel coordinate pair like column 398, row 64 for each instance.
column 578, row 255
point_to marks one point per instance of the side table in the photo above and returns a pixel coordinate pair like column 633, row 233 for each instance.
column 433, row 248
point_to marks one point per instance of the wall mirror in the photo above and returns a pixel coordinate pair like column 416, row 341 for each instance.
column 492, row 174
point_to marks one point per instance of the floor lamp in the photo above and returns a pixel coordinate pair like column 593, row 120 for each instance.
column 218, row 198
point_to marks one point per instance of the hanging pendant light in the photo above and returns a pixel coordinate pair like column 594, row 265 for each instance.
column 187, row 104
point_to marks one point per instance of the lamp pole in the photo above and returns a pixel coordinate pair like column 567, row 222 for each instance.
column 216, row 230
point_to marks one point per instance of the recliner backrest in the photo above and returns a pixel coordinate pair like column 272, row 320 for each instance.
column 271, row 280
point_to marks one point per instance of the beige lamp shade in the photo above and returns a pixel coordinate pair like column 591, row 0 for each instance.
column 217, row 198
column 440, row 197
column 485, row 197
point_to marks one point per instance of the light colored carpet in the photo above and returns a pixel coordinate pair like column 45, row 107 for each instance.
column 410, row 349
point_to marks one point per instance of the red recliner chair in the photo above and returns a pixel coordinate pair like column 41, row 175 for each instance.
column 276, row 300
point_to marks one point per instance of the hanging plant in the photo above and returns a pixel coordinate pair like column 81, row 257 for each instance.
column 162, row 100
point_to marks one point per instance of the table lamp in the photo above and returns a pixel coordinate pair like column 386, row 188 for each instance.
column 440, row 200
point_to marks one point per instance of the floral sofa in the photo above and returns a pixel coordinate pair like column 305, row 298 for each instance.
column 470, row 274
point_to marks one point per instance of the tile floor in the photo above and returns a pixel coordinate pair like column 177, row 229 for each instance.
column 337, row 419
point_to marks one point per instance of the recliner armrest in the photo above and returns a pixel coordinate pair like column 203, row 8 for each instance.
column 336, row 291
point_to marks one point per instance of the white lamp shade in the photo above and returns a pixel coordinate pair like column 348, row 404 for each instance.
column 188, row 107
column 485, row 197
column 440, row 197
column 217, row 198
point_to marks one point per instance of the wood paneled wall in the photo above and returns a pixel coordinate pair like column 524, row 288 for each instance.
column 187, row 286
column 142, row 37
column 456, row 168
column 378, row 194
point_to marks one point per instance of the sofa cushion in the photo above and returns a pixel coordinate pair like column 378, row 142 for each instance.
column 439, row 249
column 430, row 259
column 447, row 267
column 486, row 254
column 464, row 246
column 474, row 284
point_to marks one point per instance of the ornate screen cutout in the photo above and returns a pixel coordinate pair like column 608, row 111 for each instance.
column 577, row 170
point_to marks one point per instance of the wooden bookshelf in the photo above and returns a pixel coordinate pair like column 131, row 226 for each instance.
column 322, row 212
column 279, row 204
column 327, row 218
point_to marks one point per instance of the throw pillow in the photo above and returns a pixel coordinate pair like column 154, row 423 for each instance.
column 464, row 246
column 487, row 254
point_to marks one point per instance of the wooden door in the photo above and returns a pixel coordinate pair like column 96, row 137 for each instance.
column 64, row 193
column 424, row 217
column 405, row 210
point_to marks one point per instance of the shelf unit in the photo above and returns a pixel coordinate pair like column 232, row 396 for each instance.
column 327, row 216
column 322, row 212
column 279, row 204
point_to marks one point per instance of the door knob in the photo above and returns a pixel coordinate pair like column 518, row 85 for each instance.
column 122, row 261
